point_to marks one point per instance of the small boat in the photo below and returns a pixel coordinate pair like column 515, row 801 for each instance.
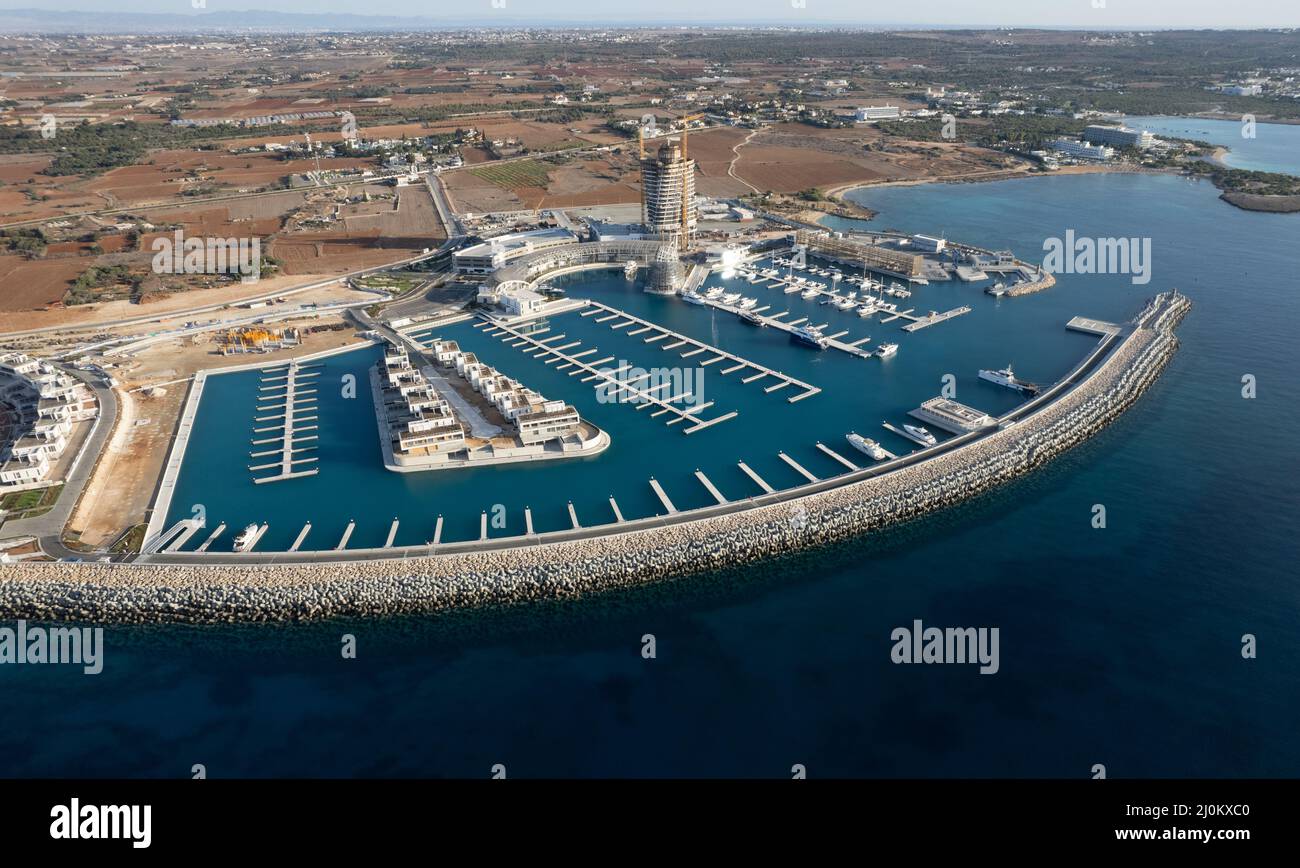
column 730, row 298
column 751, row 318
column 713, row 293
column 630, row 269
column 692, row 297
column 748, row 303
column 921, row 433
column 997, row 290
column 810, row 292
column 810, row 336
column 885, row 351
column 245, row 540
column 867, row 445
column 847, row 302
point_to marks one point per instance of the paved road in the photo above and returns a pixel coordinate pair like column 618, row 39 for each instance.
column 48, row 528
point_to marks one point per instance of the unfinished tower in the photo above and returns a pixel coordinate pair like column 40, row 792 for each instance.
column 668, row 193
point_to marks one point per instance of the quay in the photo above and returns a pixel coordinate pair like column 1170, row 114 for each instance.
column 221, row 528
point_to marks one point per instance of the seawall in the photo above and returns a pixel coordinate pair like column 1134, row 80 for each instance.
column 208, row 593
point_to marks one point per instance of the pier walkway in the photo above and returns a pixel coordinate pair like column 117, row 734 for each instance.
column 617, row 386
column 699, row 347
column 284, row 385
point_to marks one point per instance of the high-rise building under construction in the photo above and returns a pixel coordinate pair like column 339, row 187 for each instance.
column 668, row 193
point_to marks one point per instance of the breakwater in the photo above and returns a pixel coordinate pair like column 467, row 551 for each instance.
column 1129, row 364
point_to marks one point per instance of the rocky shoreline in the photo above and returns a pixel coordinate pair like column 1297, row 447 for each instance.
column 129, row 593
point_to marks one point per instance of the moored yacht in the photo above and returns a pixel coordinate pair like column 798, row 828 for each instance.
column 810, row 336
column 245, row 540
column 867, row 445
column 921, row 434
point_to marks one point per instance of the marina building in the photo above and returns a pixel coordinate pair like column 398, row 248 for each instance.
column 1118, row 137
column 947, row 414
column 860, row 254
column 487, row 256
column 668, row 193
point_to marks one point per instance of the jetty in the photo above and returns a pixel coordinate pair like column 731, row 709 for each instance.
column 290, row 401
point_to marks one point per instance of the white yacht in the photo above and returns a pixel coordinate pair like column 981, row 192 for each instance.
column 748, row 303
column 730, row 298
column 692, row 297
column 810, row 336
column 868, row 307
column 884, row 351
column 847, row 302
column 713, row 293
column 1007, row 377
column 810, row 292
column 921, row 433
column 245, row 540
column 867, row 445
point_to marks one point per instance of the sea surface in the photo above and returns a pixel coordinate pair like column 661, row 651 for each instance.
column 1118, row 645
column 1259, row 147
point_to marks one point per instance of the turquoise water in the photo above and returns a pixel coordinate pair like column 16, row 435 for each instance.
column 858, row 395
column 1118, row 646
column 1273, row 148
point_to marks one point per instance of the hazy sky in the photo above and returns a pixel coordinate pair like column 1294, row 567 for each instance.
column 1066, row 13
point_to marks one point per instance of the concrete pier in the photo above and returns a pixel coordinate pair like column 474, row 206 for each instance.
column 347, row 535
column 302, row 536
column 192, row 527
column 573, row 515
column 482, row 525
column 619, row 387
column 528, row 520
column 699, row 347
column 712, row 489
column 437, row 531
column 392, row 534
column 293, row 405
column 663, row 498
column 838, row 457
column 758, row 480
column 221, row 528
column 618, row 514
column 797, row 466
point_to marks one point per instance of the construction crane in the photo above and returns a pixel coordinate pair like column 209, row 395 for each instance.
column 686, row 210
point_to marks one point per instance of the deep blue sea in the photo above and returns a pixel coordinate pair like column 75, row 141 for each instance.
column 1119, row 646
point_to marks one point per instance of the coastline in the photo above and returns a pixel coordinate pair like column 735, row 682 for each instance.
column 1105, row 384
